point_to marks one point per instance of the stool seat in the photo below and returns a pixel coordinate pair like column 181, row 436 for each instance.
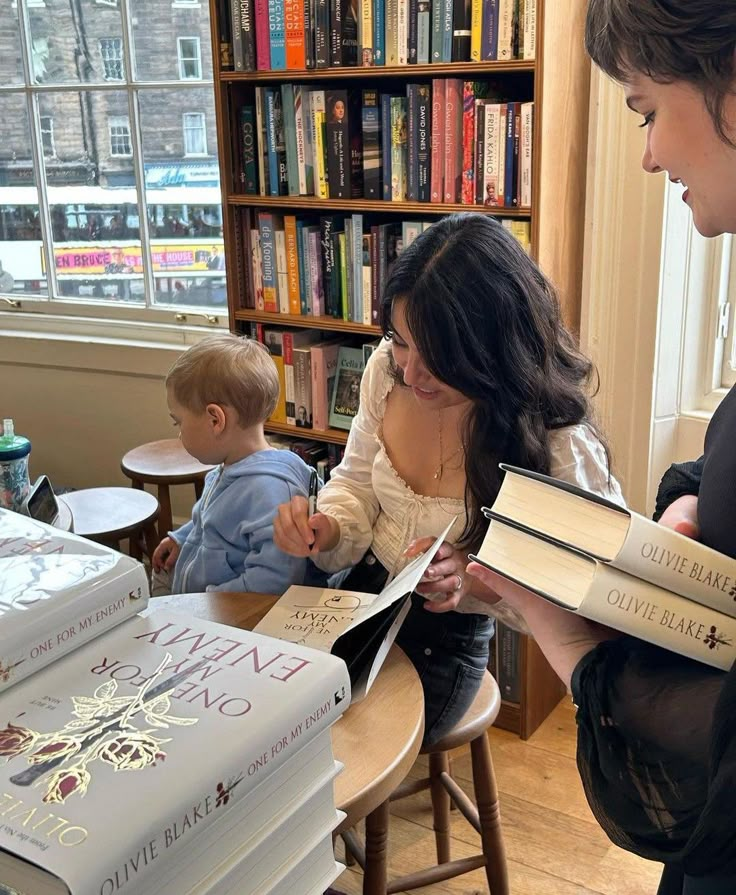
column 163, row 461
column 482, row 713
column 109, row 515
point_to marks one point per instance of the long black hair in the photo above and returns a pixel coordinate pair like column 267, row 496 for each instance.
column 487, row 323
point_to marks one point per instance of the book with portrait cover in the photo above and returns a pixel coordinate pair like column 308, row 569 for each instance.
column 613, row 565
column 58, row 591
column 357, row 627
column 132, row 715
column 345, row 396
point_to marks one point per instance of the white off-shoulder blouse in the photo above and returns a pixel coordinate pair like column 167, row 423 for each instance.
column 376, row 509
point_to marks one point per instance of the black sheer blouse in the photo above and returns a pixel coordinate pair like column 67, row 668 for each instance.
column 657, row 731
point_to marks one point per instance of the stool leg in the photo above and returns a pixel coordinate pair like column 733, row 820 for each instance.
column 164, row 516
column 134, row 544
column 151, row 539
column 486, row 796
column 375, row 878
column 439, row 762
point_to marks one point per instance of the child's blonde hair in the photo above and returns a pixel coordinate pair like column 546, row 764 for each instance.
column 227, row 370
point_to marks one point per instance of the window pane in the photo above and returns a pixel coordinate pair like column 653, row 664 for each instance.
column 20, row 226
column 183, row 198
column 111, row 55
column 11, row 67
column 65, row 41
column 92, row 197
column 156, row 32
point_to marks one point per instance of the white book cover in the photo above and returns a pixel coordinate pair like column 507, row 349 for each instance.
column 603, row 594
column 357, row 627
column 492, row 184
column 617, row 535
column 525, row 153
column 194, row 712
column 58, row 592
column 530, row 29
column 505, row 30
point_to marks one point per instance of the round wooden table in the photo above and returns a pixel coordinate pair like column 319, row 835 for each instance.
column 377, row 739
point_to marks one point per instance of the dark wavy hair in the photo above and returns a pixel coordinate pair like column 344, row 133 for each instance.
column 668, row 40
column 487, row 323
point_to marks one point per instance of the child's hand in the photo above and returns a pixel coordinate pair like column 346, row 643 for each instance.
column 299, row 534
column 165, row 555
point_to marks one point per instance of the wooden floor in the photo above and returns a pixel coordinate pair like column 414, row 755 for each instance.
column 553, row 844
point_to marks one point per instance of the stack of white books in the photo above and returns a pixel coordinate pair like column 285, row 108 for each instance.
column 165, row 755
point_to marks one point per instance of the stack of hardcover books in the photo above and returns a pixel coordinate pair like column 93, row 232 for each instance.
column 158, row 753
column 613, row 566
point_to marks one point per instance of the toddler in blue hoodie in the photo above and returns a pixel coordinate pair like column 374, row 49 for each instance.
column 220, row 392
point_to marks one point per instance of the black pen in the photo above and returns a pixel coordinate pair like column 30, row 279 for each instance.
column 313, row 488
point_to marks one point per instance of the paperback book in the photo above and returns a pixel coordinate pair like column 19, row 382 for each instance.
column 357, row 627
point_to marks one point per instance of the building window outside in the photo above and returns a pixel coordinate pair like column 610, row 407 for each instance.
column 47, row 136
column 190, row 59
column 119, row 127
column 111, row 52
column 195, row 133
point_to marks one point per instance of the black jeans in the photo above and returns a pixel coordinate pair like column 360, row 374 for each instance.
column 449, row 651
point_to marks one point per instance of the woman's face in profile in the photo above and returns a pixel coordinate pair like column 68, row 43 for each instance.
column 427, row 389
column 683, row 142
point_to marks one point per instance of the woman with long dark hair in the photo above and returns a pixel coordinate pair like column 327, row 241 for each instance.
column 476, row 368
column 657, row 731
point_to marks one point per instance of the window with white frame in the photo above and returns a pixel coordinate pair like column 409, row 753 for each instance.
column 111, row 53
column 119, row 127
column 195, row 133
column 47, row 136
column 106, row 213
column 190, row 59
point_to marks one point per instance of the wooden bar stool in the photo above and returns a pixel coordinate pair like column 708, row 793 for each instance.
column 485, row 818
column 110, row 515
column 164, row 463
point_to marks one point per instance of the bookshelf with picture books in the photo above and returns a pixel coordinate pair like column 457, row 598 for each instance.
column 330, row 168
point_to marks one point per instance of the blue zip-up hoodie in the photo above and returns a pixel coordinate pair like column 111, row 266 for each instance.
column 228, row 544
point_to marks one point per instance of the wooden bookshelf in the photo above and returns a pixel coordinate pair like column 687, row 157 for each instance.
column 557, row 80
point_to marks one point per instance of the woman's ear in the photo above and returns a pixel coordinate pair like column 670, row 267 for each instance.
column 216, row 418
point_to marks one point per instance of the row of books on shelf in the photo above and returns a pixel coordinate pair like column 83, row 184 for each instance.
column 448, row 141
column 322, row 457
column 335, row 265
column 319, row 373
column 94, row 683
column 276, row 35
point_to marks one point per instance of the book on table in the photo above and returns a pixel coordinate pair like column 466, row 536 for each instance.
column 210, row 742
column 356, row 627
column 58, row 591
column 613, row 566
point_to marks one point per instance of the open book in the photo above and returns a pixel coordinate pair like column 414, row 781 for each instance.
column 357, row 627
column 58, row 591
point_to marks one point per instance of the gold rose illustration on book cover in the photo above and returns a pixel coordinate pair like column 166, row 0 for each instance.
column 122, row 731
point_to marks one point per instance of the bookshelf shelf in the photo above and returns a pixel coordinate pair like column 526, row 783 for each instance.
column 331, row 436
column 556, row 81
column 402, row 72
column 370, row 205
column 327, row 323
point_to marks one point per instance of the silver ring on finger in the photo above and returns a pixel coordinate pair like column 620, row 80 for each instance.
column 459, row 581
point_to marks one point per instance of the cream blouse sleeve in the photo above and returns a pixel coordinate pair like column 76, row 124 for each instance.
column 349, row 496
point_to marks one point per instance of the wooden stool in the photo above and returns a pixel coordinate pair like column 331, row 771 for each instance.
column 164, row 463
column 109, row 515
column 485, row 817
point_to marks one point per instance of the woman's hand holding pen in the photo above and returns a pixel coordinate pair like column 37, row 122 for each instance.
column 299, row 534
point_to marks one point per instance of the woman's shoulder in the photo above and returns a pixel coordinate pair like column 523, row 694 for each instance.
column 378, row 378
column 578, row 456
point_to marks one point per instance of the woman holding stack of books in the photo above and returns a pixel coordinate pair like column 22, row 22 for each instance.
column 656, row 731
column 476, row 368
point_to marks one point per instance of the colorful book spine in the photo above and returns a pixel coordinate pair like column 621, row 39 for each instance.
column 292, row 264
column 386, row 146
column 366, row 32
column 402, row 31
column 399, row 138
column 379, row 32
column 505, row 30
column 412, row 147
column 453, row 138
column 468, row 177
column 392, row 44
column 424, row 124
column 282, row 276
column 263, row 36
column 480, row 124
column 489, row 34
column 237, row 39
column 424, row 32
column 509, row 188
column 277, row 34
column 357, row 267
column 289, row 118
column 437, row 164
column 318, row 121
column 268, row 262
column 525, row 154
column 315, row 267
column 322, row 34
column 530, row 29
column 248, row 149
column 476, row 29
column 262, row 143
column 371, row 129
column 294, row 34
column 491, row 153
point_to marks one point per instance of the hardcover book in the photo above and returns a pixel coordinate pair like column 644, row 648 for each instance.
column 151, row 699
column 359, row 628
column 58, row 592
column 346, row 389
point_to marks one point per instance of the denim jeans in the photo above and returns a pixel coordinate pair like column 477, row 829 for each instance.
column 449, row 650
